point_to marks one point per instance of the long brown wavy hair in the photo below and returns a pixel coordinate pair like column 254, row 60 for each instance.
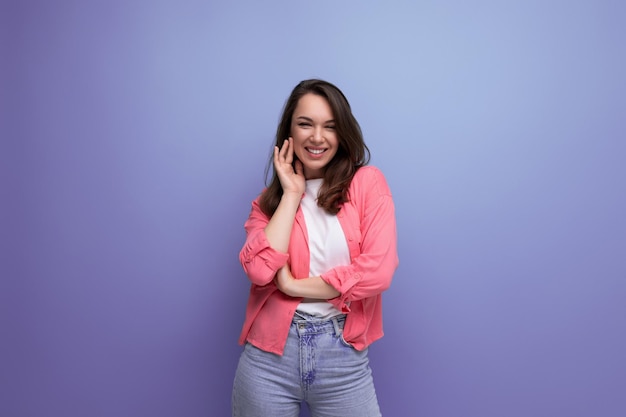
column 352, row 152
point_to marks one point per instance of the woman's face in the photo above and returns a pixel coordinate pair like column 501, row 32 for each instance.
column 313, row 131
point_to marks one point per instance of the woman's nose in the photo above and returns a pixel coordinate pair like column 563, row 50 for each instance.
column 317, row 135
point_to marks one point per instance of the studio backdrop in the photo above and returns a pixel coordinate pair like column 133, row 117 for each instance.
column 136, row 134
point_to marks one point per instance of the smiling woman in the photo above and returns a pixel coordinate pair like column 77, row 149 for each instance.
column 320, row 250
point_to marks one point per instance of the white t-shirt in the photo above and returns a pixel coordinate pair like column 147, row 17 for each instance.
column 327, row 245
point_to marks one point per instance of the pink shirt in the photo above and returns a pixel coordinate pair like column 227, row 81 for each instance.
column 368, row 222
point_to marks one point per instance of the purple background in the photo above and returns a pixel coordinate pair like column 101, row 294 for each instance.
column 135, row 135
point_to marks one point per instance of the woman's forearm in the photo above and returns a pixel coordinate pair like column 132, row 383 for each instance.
column 278, row 230
column 313, row 287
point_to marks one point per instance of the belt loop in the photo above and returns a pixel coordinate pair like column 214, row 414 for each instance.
column 336, row 325
column 298, row 316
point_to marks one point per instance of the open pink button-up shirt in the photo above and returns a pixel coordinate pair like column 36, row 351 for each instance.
column 368, row 222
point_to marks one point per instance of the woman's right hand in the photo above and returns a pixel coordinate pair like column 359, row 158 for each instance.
column 292, row 180
column 291, row 177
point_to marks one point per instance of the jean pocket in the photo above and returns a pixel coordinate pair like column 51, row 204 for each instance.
column 253, row 351
column 343, row 341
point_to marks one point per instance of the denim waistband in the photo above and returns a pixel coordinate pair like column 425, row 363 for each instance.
column 307, row 324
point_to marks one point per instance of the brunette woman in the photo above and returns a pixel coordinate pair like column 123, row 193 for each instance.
column 320, row 250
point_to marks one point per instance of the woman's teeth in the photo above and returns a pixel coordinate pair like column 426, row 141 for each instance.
column 316, row 151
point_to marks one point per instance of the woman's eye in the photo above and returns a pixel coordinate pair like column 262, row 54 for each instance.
column 331, row 127
column 304, row 124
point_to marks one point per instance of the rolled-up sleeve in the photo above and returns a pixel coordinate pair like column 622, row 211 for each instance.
column 370, row 273
column 259, row 260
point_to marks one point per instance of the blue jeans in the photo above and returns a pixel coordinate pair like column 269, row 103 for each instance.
column 317, row 366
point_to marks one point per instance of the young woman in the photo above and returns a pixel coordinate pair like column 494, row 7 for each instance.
column 320, row 250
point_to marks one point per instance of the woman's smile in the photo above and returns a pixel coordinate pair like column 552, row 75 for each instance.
column 315, row 151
